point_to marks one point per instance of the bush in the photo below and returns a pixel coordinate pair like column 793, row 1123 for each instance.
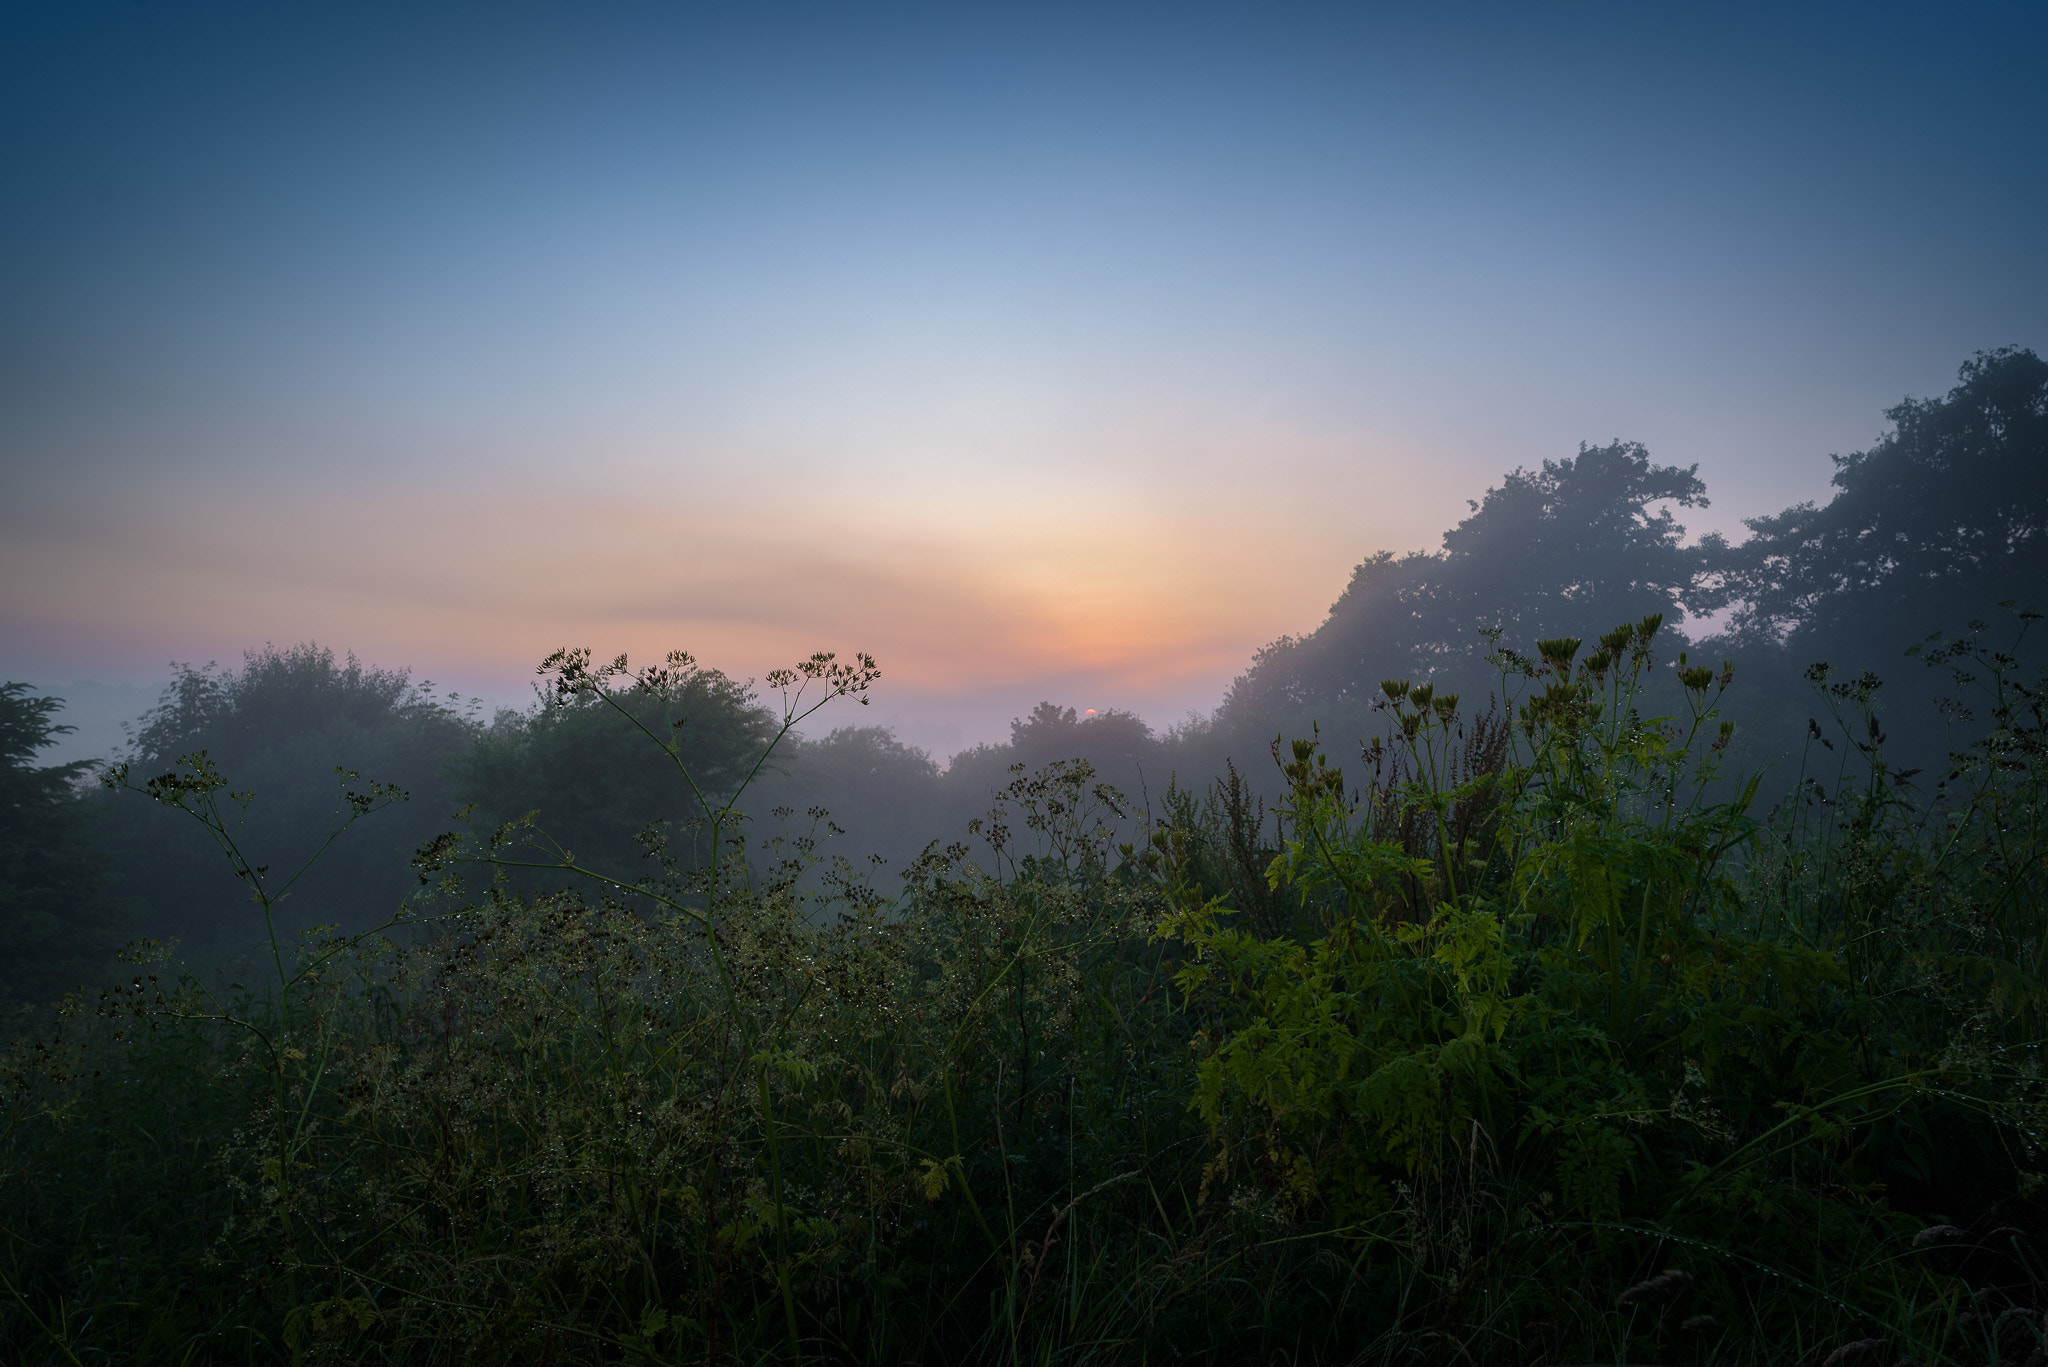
column 1536, row 1044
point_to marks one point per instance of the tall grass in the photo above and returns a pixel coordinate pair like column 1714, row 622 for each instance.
column 1530, row 1040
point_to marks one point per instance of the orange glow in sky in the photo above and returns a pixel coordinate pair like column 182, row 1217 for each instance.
column 1065, row 353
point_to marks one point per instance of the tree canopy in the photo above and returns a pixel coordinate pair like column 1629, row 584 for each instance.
column 279, row 726
column 58, row 916
column 1570, row 548
column 1944, row 516
column 592, row 780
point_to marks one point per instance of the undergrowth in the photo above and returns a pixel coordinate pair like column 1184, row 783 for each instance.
column 1528, row 1036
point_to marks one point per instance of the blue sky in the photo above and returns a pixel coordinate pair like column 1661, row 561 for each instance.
column 1069, row 353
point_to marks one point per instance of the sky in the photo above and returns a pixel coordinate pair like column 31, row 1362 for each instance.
column 1042, row 352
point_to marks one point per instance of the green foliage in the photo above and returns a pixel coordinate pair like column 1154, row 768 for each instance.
column 1646, row 1009
column 59, row 917
column 730, row 1109
column 1528, row 1035
column 1524, row 1037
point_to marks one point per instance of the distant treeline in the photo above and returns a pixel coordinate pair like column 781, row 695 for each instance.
column 1930, row 530
column 1933, row 527
column 1532, row 1042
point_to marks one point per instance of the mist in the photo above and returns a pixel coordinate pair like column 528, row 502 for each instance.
column 1097, row 684
column 1936, row 533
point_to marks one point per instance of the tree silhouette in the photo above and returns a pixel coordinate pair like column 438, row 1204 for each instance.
column 279, row 727
column 58, row 918
column 1945, row 516
column 1571, row 548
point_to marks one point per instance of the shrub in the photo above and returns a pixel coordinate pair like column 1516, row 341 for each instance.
column 1537, row 1043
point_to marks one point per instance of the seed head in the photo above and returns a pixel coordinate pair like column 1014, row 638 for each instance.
column 1669, row 1280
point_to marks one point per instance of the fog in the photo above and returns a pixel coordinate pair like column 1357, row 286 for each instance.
column 826, row 684
column 1937, row 531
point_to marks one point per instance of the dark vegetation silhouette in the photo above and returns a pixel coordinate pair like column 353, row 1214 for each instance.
column 1949, row 510
column 590, row 774
column 1929, row 529
column 60, row 916
column 1569, row 549
column 282, row 724
column 1559, row 989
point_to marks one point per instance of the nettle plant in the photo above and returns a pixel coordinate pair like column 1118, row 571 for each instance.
column 1519, row 940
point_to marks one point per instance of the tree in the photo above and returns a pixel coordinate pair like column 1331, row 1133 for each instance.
column 279, row 727
column 59, row 920
column 592, row 781
column 1945, row 516
column 1118, row 746
column 1569, row 549
column 881, row 797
